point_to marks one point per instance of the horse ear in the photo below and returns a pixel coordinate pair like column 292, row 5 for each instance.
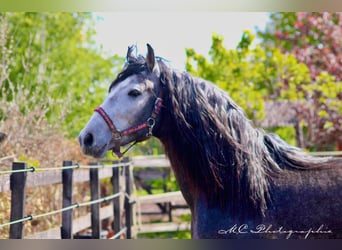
column 150, row 59
column 130, row 58
column 163, row 78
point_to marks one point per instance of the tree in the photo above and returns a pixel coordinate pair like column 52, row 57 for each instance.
column 50, row 62
column 52, row 75
column 249, row 75
column 315, row 39
column 254, row 75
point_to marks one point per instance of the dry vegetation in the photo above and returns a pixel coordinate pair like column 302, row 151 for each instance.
column 31, row 136
column 41, row 145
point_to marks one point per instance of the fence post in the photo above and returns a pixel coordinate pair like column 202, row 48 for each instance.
column 67, row 177
column 116, row 226
column 95, row 208
column 128, row 204
column 18, row 188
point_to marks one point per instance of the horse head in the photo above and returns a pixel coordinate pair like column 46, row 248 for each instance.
column 131, row 109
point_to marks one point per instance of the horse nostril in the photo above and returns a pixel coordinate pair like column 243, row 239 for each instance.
column 88, row 140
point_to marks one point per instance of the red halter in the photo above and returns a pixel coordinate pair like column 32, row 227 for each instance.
column 117, row 135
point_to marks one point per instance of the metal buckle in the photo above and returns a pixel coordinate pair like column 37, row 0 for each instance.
column 116, row 136
column 151, row 122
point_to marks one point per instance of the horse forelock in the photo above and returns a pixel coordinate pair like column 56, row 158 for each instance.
column 134, row 66
column 130, row 69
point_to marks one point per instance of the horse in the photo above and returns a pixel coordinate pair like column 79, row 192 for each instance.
column 239, row 181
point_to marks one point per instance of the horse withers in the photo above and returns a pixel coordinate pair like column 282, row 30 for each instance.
column 238, row 181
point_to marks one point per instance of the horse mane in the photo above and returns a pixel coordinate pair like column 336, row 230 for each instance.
column 215, row 148
column 130, row 69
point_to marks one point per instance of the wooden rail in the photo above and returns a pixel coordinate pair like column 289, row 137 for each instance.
column 50, row 178
column 22, row 176
column 79, row 224
column 159, row 161
column 164, row 227
column 160, row 198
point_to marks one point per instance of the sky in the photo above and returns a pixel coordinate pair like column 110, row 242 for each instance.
column 169, row 33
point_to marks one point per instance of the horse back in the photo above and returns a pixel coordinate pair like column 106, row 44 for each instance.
column 302, row 204
column 304, row 199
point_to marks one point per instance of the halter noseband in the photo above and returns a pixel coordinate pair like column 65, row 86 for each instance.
column 117, row 135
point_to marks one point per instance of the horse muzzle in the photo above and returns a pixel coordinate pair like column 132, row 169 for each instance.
column 90, row 147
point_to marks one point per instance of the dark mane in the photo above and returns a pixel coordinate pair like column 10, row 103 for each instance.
column 132, row 68
column 214, row 145
column 129, row 70
column 217, row 148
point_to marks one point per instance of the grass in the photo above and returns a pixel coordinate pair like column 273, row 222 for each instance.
column 169, row 235
column 166, row 235
column 142, row 192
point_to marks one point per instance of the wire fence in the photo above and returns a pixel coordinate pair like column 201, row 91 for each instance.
column 73, row 206
column 18, row 181
column 117, row 165
column 76, row 166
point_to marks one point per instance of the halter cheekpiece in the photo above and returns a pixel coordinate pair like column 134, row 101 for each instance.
column 117, row 135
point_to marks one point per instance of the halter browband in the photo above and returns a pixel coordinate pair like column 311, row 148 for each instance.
column 117, row 135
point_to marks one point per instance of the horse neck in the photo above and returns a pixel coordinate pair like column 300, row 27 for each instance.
column 198, row 172
column 168, row 136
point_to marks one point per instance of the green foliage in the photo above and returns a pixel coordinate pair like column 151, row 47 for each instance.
column 291, row 64
column 230, row 70
column 249, row 75
column 150, row 147
column 30, row 161
column 279, row 21
column 169, row 183
column 286, row 133
column 158, row 185
column 314, row 39
column 51, row 61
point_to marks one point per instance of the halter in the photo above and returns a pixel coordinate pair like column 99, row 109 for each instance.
column 117, row 135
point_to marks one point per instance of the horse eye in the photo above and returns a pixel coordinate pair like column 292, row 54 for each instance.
column 134, row 93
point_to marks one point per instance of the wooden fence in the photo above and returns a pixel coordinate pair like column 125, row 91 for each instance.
column 121, row 173
column 171, row 200
column 22, row 176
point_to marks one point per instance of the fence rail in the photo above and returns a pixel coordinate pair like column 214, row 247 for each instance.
column 21, row 176
column 7, row 158
column 50, row 176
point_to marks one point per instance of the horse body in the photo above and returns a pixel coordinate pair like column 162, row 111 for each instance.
column 239, row 182
column 301, row 202
column 304, row 196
